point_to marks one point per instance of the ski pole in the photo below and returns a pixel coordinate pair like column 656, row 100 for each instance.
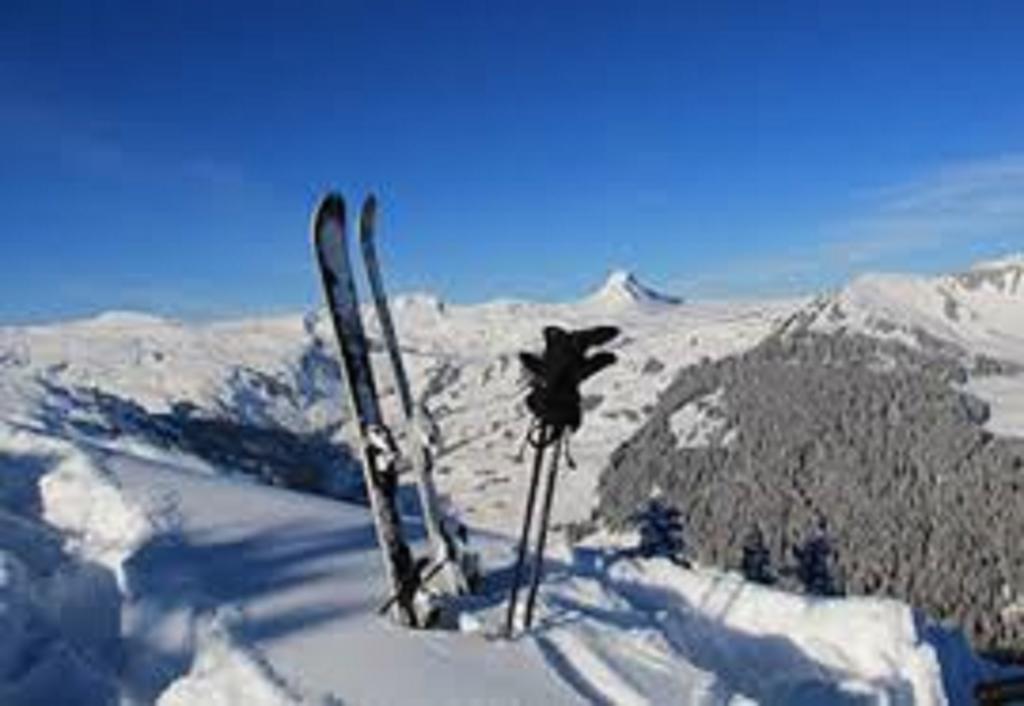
column 531, row 499
column 538, row 567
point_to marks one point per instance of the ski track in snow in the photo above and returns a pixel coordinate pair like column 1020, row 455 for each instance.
column 649, row 633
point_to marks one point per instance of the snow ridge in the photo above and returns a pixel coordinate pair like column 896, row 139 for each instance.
column 225, row 672
column 977, row 312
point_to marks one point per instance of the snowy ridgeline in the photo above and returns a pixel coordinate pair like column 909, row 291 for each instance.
column 137, row 560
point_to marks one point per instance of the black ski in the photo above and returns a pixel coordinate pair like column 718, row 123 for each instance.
column 375, row 443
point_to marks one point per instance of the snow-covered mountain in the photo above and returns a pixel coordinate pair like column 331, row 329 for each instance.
column 623, row 289
column 886, row 418
column 281, row 374
column 137, row 562
column 976, row 315
column 981, row 310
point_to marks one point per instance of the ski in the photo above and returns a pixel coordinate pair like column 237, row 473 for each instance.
column 447, row 548
column 376, row 446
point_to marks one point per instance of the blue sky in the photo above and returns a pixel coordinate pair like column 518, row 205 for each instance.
column 166, row 156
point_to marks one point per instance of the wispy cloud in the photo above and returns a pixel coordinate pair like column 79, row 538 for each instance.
column 954, row 208
column 955, row 205
column 976, row 183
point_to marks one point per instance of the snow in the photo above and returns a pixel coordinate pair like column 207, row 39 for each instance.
column 264, row 596
column 700, row 423
column 981, row 311
column 225, row 673
column 59, row 611
column 277, row 372
column 134, row 571
column 1005, row 397
column 43, row 659
column 793, row 638
column 623, row 290
column 978, row 313
column 632, row 631
column 305, row 575
column 77, row 498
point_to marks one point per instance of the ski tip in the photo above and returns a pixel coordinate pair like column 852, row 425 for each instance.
column 331, row 207
column 368, row 217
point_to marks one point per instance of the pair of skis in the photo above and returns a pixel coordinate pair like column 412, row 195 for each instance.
column 379, row 453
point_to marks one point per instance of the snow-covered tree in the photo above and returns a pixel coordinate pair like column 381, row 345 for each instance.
column 756, row 564
column 661, row 532
column 816, row 564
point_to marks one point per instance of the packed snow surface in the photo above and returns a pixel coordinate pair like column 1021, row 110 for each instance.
column 256, row 595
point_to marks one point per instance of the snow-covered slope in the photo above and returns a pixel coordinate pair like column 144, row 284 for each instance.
column 234, row 593
column 203, row 585
column 239, row 592
column 890, row 412
column 281, row 374
column 981, row 310
column 234, row 368
column 977, row 315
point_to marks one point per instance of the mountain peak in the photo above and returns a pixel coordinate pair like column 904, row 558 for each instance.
column 622, row 288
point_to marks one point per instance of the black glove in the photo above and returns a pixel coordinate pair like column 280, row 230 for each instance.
column 557, row 374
